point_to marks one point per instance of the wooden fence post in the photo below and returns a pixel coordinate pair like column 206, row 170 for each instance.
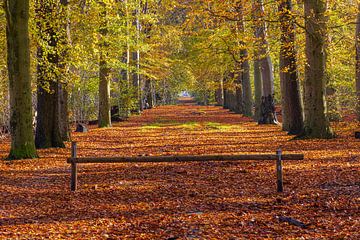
column 73, row 181
column 279, row 171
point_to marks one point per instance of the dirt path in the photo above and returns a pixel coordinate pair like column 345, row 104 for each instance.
column 184, row 200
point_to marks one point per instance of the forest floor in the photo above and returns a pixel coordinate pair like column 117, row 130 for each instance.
column 212, row 200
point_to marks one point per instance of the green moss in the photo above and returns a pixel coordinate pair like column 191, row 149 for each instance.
column 26, row 151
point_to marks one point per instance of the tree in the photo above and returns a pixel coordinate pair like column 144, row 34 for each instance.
column 316, row 123
column 104, row 72
column 290, row 89
column 245, row 66
column 52, row 117
column 357, row 40
column 17, row 32
column 267, row 108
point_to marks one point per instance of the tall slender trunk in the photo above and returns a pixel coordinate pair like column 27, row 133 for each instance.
column 104, row 72
column 244, row 65
column 136, row 58
column 257, row 88
column 316, row 123
column 18, row 61
column 290, row 89
column 358, row 62
column 267, row 109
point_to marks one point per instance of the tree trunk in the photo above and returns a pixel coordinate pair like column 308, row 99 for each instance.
column 104, row 78
column 136, row 58
column 316, row 123
column 48, row 112
column 245, row 75
column 18, row 61
column 266, row 67
column 358, row 63
column 292, row 111
column 219, row 94
column 104, row 94
column 257, row 87
column 246, row 98
column 52, row 122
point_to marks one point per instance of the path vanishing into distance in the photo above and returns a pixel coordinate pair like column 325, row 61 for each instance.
column 194, row 200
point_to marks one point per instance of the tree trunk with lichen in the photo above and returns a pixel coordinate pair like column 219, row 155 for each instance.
column 18, row 60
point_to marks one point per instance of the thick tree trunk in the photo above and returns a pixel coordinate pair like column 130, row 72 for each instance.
column 18, row 60
column 104, row 118
column 292, row 111
column 52, row 122
column 48, row 113
column 316, row 123
column 358, row 63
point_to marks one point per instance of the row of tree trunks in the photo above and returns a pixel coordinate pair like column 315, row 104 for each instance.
column 18, row 60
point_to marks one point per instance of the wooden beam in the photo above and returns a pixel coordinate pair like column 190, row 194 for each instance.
column 184, row 158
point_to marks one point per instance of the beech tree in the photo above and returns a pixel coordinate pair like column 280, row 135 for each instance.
column 357, row 44
column 104, row 119
column 52, row 36
column 316, row 123
column 18, row 61
column 267, row 107
column 244, row 61
column 292, row 112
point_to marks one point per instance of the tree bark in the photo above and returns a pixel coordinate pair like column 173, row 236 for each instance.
column 358, row 63
column 52, row 122
column 104, row 78
column 257, row 87
column 18, row 61
column 245, row 67
column 266, row 66
column 136, row 58
column 292, row 111
column 316, row 123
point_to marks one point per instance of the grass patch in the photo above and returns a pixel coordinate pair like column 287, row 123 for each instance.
column 218, row 126
column 190, row 125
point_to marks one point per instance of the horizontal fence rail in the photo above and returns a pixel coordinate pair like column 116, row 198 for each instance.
column 185, row 158
column 279, row 157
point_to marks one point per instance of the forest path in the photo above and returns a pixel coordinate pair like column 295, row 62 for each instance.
column 220, row 200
